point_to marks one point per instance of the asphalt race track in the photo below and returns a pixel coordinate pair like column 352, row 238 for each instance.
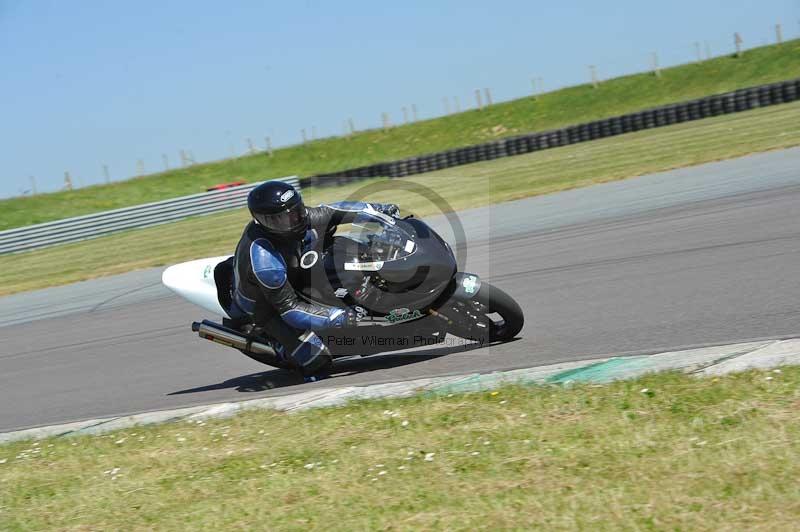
column 704, row 255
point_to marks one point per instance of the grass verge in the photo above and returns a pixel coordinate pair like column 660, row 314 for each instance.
column 489, row 182
column 665, row 451
column 556, row 109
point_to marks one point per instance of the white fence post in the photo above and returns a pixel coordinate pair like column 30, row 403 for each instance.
column 656, row 69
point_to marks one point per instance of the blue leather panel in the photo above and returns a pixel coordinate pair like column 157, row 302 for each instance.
column 310, row 239
column 268, row 265
column 300, row 319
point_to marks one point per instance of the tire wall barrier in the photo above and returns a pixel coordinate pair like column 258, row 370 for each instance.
column 718, row 104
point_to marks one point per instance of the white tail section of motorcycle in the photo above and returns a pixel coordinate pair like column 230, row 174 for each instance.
column 194, row 281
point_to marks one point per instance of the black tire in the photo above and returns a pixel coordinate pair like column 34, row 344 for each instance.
column 498, row 302
column 472, row 319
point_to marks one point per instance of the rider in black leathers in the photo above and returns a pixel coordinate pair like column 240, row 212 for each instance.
column 266, row 271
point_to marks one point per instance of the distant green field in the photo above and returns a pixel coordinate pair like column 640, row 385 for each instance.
column 462, row 187
column 555, row 109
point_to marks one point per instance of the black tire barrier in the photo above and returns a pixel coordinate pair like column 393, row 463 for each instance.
column 753, row 100
column 509, row 147
column 741, row 102
column 729, row 103
column 776, row 92
column 606, row 129
column 472, row 155
column 452, row 158
column 515, row 146
column 715, row 105
column 764, row 96
column 789, row 92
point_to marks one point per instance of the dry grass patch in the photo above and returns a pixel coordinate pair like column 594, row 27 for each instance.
column 662, row 452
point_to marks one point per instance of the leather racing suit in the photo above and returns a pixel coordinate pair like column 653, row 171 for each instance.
column 267, row 270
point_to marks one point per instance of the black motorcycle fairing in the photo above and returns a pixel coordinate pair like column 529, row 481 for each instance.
column 381, row 267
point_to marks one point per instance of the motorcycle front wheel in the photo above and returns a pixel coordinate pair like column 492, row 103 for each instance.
column 491, row 312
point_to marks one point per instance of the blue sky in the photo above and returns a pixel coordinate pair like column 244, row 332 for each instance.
column 87, row 83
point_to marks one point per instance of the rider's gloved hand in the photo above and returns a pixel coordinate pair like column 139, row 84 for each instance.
column 347, row 317
column 390, row 209
column 355, row 315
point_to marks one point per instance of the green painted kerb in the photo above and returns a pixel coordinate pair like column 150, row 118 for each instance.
column 473, row 383
column 605, row 371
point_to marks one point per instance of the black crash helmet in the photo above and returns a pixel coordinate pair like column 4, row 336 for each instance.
column 279, row 209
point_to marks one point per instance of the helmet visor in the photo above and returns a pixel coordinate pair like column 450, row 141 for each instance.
column 289, row 221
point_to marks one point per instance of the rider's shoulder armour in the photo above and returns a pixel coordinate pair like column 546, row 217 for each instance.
column 268, row 265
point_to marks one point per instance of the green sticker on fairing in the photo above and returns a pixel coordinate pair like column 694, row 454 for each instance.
column 403, row 314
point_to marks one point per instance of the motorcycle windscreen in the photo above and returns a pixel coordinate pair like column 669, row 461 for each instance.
column 379, row 241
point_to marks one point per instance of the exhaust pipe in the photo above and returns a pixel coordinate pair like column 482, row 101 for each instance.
column 230, row 338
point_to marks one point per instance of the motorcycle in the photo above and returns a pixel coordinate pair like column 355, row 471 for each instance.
column 399, row 275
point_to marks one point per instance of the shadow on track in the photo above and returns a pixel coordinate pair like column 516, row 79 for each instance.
column 278, row 378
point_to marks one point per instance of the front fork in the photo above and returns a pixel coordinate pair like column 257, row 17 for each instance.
column 458, row 311
column 466, row 286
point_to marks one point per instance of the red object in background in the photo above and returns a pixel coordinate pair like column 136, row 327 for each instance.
column 223, row 186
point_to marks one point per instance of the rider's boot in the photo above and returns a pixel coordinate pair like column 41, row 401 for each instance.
column 311, row 357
